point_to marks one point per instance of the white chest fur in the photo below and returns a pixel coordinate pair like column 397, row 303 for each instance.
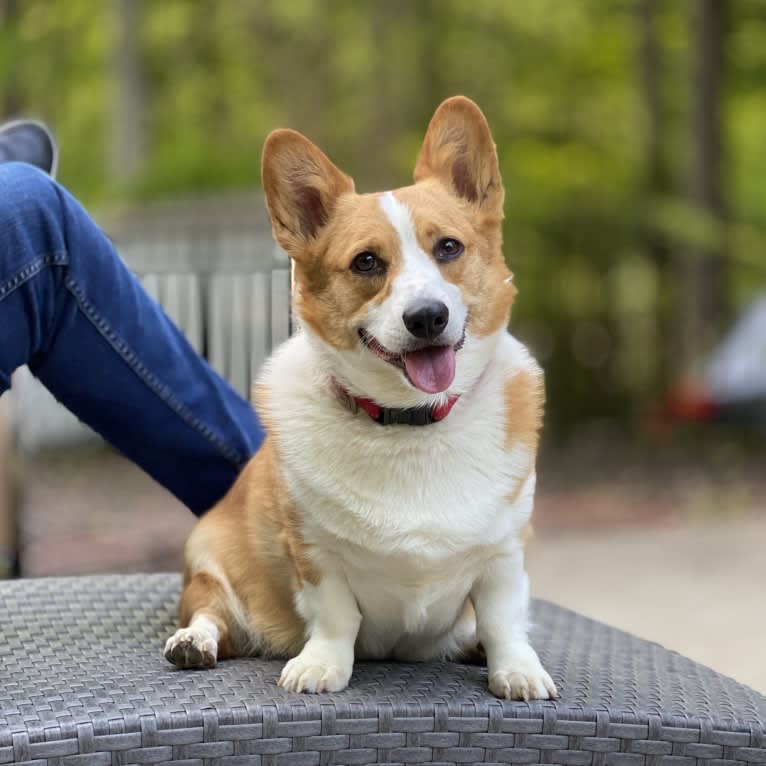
column 409, row 514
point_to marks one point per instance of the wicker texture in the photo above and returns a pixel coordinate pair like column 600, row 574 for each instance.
column 83, row 681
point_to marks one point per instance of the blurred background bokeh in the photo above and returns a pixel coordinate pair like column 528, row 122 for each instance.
column 631, row 136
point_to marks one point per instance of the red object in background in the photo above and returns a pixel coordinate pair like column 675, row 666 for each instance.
column 689, row 400
column 730, row 386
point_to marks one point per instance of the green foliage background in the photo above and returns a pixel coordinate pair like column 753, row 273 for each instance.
column 560, row 82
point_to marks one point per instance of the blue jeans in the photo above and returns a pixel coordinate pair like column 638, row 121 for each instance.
column 72, row 311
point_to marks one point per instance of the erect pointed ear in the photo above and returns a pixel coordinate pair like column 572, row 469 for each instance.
column 458, row 150
column 302, row 187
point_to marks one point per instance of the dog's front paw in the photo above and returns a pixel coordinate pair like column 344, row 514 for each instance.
column 191, row 648
column 523, row 683
column 307, row 673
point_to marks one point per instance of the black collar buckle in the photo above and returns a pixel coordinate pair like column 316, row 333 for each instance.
column 415, row 416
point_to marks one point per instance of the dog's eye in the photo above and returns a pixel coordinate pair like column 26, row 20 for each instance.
column 367, row 263
column 448, row 249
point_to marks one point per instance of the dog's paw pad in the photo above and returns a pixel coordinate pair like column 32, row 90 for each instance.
column 191, row 648
column 305, row 675
column 523, row 684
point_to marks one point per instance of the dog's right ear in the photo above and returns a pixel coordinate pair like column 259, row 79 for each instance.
column 302, row 187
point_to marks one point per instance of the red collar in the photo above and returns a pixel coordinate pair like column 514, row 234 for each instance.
column 388, row 416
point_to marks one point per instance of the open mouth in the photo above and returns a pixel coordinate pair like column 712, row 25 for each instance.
column 430, row 368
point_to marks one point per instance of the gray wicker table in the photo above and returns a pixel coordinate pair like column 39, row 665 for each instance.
column 83, row 681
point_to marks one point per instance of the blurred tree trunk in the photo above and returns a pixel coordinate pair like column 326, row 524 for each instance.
column 10, row 97
column 702, row 267
column 390, row 101
column 650, row 63
column 129, row 125
column 430, row 18
column 657, row 180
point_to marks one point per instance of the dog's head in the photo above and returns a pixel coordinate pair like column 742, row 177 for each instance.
column 404, row 291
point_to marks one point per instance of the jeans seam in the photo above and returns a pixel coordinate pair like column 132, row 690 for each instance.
column 160, row 389
column 56, row 258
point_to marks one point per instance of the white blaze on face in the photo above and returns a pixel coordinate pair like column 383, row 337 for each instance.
column 418, row 281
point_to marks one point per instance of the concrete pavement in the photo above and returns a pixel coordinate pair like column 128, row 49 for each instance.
column 698, row 587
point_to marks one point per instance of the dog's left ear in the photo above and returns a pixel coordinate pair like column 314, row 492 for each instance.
column 302, row 187
column 458, row 150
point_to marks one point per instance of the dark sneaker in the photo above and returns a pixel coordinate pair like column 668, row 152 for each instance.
column 29, row 141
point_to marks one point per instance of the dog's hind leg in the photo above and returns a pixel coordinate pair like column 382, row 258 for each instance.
column 206, row 620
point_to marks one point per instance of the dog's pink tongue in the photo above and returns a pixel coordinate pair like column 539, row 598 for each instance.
column 431, row 369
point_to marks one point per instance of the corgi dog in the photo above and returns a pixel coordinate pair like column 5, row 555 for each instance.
column 385, row 514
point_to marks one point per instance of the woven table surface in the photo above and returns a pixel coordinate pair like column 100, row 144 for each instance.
column 83, row 681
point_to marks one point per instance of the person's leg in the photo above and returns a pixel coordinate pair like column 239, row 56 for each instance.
column 72, row 311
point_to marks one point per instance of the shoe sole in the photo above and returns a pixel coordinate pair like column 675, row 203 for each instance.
column 45, row 129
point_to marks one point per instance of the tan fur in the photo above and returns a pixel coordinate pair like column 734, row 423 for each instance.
column 204, row 595
column 326, row 288
column 527, row 534
column 524, row 400
column 259, row 395
column 473, row 175
column 302, row 187
column 253, row 537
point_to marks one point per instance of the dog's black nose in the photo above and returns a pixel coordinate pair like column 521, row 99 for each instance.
column 426, row 320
